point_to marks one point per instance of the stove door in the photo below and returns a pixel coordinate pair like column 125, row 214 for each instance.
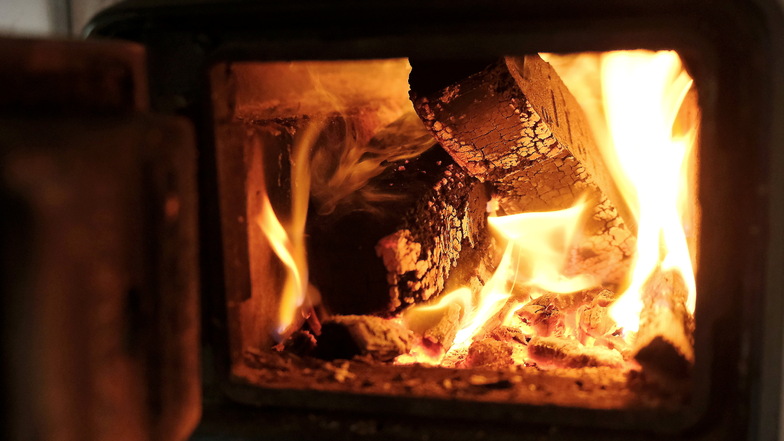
column 99, row 231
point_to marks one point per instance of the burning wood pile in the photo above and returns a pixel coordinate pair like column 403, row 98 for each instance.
column 501, row 225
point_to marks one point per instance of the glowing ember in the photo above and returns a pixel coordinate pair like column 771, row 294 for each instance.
column 534, row 308
column 537, row 248
column 641, row 94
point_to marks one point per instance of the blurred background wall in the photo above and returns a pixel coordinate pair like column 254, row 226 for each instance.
column 48, row 17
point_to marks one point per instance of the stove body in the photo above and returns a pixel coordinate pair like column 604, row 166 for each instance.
column 733, row 50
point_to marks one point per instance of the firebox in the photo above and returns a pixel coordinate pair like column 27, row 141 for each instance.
column 435, row 220
column 472, row 241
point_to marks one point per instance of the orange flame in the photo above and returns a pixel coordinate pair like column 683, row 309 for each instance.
column 537, row 247
column 364, row 98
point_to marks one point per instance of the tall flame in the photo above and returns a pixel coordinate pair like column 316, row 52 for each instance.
column 361, row 136
column 288, row 242
column 643, row 92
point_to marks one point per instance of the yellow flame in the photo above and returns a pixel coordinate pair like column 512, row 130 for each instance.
column 633, row 104
column 424, row 317
column 537, row 247
column 336, row 173
column 642, row 92
column 288, row 242
column 541, row 242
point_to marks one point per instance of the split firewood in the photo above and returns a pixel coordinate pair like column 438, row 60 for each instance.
column 515, row 125
column 664, row 341
column 344, row 337
column 568, row 353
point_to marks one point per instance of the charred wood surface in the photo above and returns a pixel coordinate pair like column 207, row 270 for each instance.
column 429, row 234
column 568, row 353
column 515, row 125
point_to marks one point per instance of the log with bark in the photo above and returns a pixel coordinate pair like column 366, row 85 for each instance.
column 427, row 233
column 665, row 343
column 515, row 125
column 442, row 239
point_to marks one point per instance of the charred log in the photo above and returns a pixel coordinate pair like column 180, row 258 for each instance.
column 515, row 125
column 442, row 240
column 436, row 326
column 426, row 226
column 665, row 342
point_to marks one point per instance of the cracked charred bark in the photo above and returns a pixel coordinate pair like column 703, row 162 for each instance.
column 428, row 236
column 515, row 125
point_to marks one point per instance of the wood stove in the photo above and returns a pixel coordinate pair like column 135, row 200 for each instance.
column 243, row 74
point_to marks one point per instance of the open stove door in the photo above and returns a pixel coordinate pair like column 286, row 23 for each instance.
column 99, row 277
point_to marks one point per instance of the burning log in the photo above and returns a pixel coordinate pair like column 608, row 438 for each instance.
column 369, row 176
column 344, row 337
column 568, row 353
column 595, row 321
column 596, row 325
column 571, row 302
column 427, row 227
column 664, row 342
column 442, row 239
column 515, row 125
